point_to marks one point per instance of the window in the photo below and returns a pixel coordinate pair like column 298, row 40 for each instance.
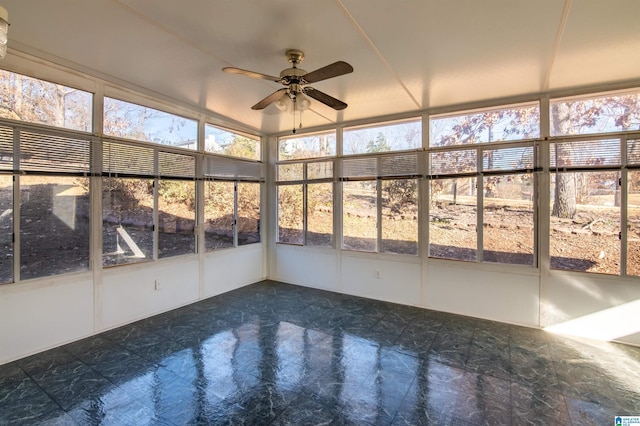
column 127, row 220
column 399, row 136
column 54, row 225
column 614, row 112
column 6, row 229
column 305, row 203
column 500, row 124
column 127, row 120
column 176, row 217
column 290, row 214
column 37, row 101
column 219, row 215
column 248, row 213
column 221, row 141
column 310, row 146
column 508, row 219
column 452, row 219
column 586, row 206
column 360, row 215
column 319, row 214
column 399, row 216
column 482, row 196
column 380, row 193
column 585, row 222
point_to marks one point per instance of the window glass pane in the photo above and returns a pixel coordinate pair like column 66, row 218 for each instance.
column 359, row 209
column 400, row 216
column 177, row 214
column 290, row 214
column 319, row 145
column 452, row 219
column 224, row 142
column 127, row 220
column 391, row 137
column 54, row 225
column 508, row 219
column 633, row 223
column 126, row 120
column 37, row 101
column 320, row 214
column 218, row 215
column 289, row 172
column 585, row 222
column 503, row 124
column 248, row 213
column 598, row 114
column 6, row 228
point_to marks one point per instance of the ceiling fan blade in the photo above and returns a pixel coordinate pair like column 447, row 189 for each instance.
column 333, row 70
column 324, row 98
column 252, row 74
column 269, row 99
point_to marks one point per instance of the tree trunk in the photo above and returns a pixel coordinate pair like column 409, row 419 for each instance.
column 564, row 203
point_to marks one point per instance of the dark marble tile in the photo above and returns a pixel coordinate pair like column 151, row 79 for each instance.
column 73, row 383
column 308, row 411
column 21, row 400
column 115, row 410
column 493, row 362
column 46, row 360
column 538, row 405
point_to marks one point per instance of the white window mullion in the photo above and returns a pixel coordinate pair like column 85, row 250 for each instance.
column 624, row 200
column 479, row 208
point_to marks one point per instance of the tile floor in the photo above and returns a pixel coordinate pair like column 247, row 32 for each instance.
column 273, row 353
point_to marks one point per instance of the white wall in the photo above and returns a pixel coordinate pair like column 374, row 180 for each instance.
column 45, row 313
column 227, row 270
column 482, row 291
column 594, row 306
column 588, row 305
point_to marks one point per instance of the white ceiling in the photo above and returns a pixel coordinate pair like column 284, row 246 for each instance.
column 408, row 55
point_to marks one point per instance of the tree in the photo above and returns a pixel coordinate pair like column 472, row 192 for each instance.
column 380, row 144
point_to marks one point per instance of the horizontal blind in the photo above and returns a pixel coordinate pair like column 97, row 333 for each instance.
column 521, row 158
column 399, row 165
column 633, row 153
column 585, row 154
column 320, row 170
column 360, row 168
column 127, row 160
column 6, row 148
column 41, row 152
column 172, row 165
column 231, row 169
column 453, row 162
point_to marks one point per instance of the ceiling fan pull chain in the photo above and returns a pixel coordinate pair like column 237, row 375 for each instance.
column 294, row 115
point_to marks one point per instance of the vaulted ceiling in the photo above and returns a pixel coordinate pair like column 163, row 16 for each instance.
column 408, row 55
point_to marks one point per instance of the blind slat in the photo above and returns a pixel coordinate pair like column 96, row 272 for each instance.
column 580, row 154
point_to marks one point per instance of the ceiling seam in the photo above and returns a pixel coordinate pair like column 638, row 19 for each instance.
column 556, row 43
column 377, row 52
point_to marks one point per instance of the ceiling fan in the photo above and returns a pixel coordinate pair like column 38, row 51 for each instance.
column 297, row 80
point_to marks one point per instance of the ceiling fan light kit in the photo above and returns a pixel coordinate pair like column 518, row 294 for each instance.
column 294, row 96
